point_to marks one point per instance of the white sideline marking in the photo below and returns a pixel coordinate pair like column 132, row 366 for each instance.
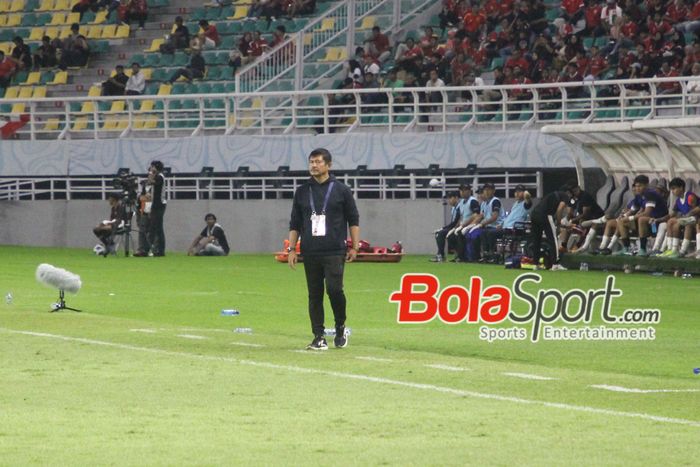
column 438, row 366
column 308, row 352
column 372, row 379
column 147, row 331
column 375, row 359
column 246, row 344
column 639, row 391
column 529, row 376
column 191, row 336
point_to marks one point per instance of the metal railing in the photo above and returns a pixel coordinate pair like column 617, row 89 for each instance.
column 368, row 186
column 333, row 111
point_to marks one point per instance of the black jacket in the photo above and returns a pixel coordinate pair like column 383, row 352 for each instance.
column 341, row 212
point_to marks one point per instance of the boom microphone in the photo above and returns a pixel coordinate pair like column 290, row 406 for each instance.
column 58, row 278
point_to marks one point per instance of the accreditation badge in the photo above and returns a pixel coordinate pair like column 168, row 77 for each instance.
column 318, row 225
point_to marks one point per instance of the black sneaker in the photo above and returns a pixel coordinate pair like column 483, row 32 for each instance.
column 319, row 343
column 341, row 338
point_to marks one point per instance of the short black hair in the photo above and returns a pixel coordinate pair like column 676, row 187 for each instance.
column 18, row 40
column 643, row 179
column 158, row 165
column 203, row 22
column 282, row 29
column 75, row 27
column 677, row 183
column 208, row 216
column 136, row 63
column 327, row 158
column 119, row 66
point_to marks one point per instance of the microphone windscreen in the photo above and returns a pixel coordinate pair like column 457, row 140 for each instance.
column 58, row 278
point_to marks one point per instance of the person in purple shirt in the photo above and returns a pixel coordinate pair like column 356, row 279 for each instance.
column 646, row 205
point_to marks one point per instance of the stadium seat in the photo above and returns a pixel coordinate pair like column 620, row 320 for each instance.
column 13, row 20
column 19, row 108
column 36, row 34
column 60, row 78
column 155, row 45
column 45, row 5
column 33, row 78
column 80, row 124
column 327, row 25
column 109, row 31
column 58, row 19
column 95, row 91
column 63, row 4
column 94, row 32
column 52, row 32
column 12, row 92
column 165, row 89
column 25, row 93
column 368, row 22
column 240, row 12
column 52, row 124
column 39, row 92
column 100, row 17
column 16, row 6
column 122, row 31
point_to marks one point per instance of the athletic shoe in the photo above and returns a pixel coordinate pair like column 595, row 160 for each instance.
column 437, row 259
column 605, row 251
column 697, row 254
column 666, row 253
column 319, row 343
column 642, row 253
column 576, row 250
column 558, row 267
column 341, row 338
column 624, row 251
column 673, row 254
column 140, row 254
column 654, row 253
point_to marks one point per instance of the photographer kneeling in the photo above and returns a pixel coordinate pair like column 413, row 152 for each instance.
column 211, row 241
column 106, row 229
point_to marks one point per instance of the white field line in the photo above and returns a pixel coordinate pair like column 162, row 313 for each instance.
column 191, row 336
column 309, row 352
column 529, row 376
column 375, row 359
column 147, row 331
column 246, row 344
column 371, row 379
column 439, row 366
column 639, row 391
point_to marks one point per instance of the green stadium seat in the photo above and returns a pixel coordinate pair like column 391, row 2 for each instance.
column 180, row 59
column 215, row 73
column 199, row 14
column 28, row 20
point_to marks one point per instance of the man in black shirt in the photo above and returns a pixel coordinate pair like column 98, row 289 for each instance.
column 114, row 86
column 582, row 207
column 160, row 201
column 322, row 211
column 211, row 241
column 544, row 217
column 195, row 69
column 21, row 54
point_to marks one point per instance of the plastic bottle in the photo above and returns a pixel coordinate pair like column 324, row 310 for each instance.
column 584, row 267
column 230, row 312
column 8, row 298
column 244, row 330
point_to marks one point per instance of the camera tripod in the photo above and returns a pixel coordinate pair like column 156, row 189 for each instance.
column 60, row 305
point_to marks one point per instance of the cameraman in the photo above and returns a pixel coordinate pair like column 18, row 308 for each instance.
column 105, row 230
column 159, row 203
column 142, row 216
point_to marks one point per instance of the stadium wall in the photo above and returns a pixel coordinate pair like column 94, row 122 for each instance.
column 487, row 149
column 250, row 225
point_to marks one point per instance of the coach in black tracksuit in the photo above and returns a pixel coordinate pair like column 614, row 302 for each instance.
column 544, row 218
column 160, row 201
column 322, row 211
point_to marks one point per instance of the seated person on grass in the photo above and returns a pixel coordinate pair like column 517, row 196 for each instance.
column 211, row 241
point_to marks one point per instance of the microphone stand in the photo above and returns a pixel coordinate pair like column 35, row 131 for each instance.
column 61, row 304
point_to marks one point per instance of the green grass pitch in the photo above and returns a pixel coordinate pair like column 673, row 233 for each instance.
column 151, row 373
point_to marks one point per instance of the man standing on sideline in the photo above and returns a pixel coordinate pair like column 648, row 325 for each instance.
column 322, row 211
column 545, row 217
column 442, row 236
column 158, row 206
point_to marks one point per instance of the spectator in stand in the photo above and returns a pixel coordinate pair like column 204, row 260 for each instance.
column 136, row 10
column 137, row 81
column 115, row 85
column 269, row 9
column 371, row 82
column 339, row 105
column 692, row 24
column 45, row 55
column 301, row 7
column 597, row 66
column 211, row 35
column 244, row 48
column 195, row 70
column 433, row 97
column 676, row 12
column 610, row 14
column 7, row 70
column 370, row 65
column 75, row 50
column 573, row 14
column 668, row 72
column 407, row 51
column 391, row 81
column 257, row 46
column 180, row 37
column 459, row 69
column 279, row 35
column 474, row 21
column 21, row 54
column 377, row 45
column 592, row 11
column 694, row 94
column 448, row 14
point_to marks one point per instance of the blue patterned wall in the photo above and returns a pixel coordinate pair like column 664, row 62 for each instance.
column 226, row 153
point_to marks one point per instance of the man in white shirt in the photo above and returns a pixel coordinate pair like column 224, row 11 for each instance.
column 610, row 13
column 432, row 96
column 137, row 82
column 694, row 90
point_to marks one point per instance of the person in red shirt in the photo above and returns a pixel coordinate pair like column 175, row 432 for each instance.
column 668, row 72
column 7, row 70
column 473, row 19
column 211, row 35
column 676, row 12
column 518, row 60
column 593, row 20
column 407, row 51
column 378, row 45
column 460, row 68
column 136, row 10
column 598, row 65
column 257, row 46
column 518, row 96
column 659, row 25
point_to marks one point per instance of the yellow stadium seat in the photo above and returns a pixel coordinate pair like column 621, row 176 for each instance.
column 14, row 20
column 3, row 19
column 87, row 107
column 33, row 78
column 58, row 19
column 64, row 5
column 94, row 32
column 100, row 18
column 52, row 124
column 80, row 124
column 95, row 91
column 240, row 12
column 147, row 106
column 146, row 122
column 122, row 32
column 26, row 93
column 115, row 123
column 60, row 78
column 16, row 5
column 72, row 18
column 36, row 34
column 4, row 5
column 45, row 5
column 117, row 106
column 327, row 24
column 7, row 47
column 39, row 92
column 155, row 45
column 53, row 32
column 109, row 31
column 164, row 89
column 368, row 22
column 12, row 92
column 19, row 108
column 83, row 29
column 65, row 32
column 342, row 54
column 333, row 54
column 307, row 39
column 147, row 73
